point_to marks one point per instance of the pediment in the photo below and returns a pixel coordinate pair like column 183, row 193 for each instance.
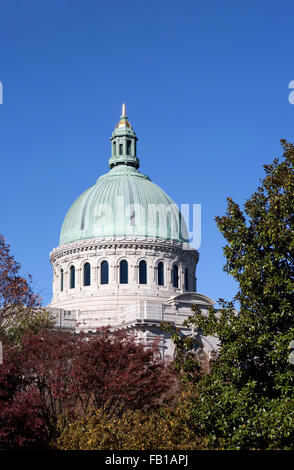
column 191, row 298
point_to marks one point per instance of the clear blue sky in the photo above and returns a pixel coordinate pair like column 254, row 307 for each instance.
column 206, row 87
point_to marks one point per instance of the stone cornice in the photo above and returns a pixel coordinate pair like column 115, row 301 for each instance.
column 118, row 243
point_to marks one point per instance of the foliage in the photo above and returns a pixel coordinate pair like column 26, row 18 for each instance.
column 21, row 420
column 23, row 322
column 164, row 428
column 247, row 401
column 260, row 256
column 22, row 424
column 120, row 372
column 189, row 361
column 68, row 373
column 230, row 417
column 16, row 296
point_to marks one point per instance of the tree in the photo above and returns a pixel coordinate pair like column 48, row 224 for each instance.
column 17, row 300
column 239, row 404
column 260, row 256
column 189, row 362
column 21, row 416
column 165, row 428
column 23, row 322
column 119, row 372
column 69, row 374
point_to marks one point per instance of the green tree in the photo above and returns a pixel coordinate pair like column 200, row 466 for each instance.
column 247, row 401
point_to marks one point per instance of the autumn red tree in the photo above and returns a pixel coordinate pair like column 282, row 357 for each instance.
column 22, row 423
column 117, row 372
column 67, row 375
column 15, row 291
column 108, row 369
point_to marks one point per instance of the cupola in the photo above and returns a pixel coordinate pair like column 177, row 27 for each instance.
column 123, row 143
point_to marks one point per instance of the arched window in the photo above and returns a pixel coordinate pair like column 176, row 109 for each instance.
column 160, row 274
column 87, row 274
column 104, row 273
column 175, row 275
column 61, row 280
column 142, row 272
column 186, row 279
column 114, row 149
column 120, row 149
column 129, row 148
column 72, row 277
column 123, row 272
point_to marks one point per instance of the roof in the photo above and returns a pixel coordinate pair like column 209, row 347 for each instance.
column 123, row 202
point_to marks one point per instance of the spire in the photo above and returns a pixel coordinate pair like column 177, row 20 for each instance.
column 123, row 146
column 123, row 119
column 123, row 113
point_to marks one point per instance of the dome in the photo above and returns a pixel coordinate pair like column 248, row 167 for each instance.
column 123, row 123
column 123, row 203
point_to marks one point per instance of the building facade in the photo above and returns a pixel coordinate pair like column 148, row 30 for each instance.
column 124, row 258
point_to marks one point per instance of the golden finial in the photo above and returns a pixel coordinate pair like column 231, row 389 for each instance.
column 123, row 119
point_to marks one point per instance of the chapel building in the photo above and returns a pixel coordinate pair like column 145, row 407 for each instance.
column 124, row 258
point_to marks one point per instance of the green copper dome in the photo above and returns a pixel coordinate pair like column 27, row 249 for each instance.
column 123, row 202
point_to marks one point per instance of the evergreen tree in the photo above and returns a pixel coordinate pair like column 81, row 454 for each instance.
column 247, row 401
